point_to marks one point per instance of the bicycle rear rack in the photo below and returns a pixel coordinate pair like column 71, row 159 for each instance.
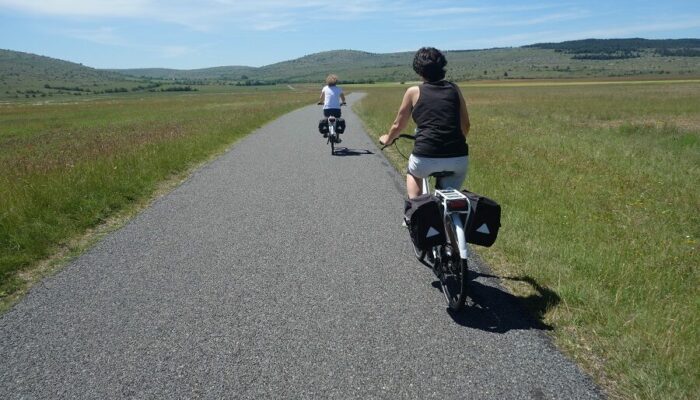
column 453, row 200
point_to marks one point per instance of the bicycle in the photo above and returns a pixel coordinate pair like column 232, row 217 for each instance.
column 332, row 136
column 448, row 261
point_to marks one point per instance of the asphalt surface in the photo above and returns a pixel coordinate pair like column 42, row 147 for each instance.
column 276, row 271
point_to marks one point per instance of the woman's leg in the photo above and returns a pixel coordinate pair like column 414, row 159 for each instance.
column 414, row 180
column 414, row 186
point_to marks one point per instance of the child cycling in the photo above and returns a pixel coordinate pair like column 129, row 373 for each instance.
column 332, row 97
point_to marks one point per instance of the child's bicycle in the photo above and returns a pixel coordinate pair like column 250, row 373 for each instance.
column 448, row 261
column 333, row 136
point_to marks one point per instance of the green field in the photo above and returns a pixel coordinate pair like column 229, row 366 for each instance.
column 70, row 166
column 599, row 189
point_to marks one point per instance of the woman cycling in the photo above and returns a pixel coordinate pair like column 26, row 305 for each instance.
column 440, row 113
column 332, row 97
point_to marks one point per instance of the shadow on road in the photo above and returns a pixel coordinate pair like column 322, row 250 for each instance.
column 494, row 310
column 344, row 151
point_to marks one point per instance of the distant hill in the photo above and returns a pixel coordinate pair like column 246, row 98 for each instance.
column 353, row 65
column 31, row 66
column 572, row 59
column 27, row 75
column 226, row 73
column 613, row 45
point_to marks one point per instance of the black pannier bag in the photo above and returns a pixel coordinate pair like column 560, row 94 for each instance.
column 323, row 126
column 340, row 125
column 484, row 219
column 424, row 220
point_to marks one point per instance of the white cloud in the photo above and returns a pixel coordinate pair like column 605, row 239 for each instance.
column 175, row 51
column 636, row 29
column 205, row 14
column 499, row 21
column 109, row 36
column 556, row 17
column 526, row 38
column 116, row 8
column 271, row 25
column 499, row 41
column 103, row 35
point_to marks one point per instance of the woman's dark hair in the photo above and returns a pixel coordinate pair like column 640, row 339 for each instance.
column 430, row 63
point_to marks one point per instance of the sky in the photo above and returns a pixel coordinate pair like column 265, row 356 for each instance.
column 189, row 34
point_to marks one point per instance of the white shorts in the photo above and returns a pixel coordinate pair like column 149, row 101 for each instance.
column 422, row 167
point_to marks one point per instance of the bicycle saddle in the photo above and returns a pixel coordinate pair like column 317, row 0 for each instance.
column 442, row 174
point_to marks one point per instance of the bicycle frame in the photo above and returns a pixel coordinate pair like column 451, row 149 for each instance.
column 332, row 133
column 331, row 128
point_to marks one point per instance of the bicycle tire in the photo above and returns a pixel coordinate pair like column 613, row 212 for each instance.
column 332, row 146
column 452, row 273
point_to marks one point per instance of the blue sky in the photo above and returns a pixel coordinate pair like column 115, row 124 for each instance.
column 190, row 34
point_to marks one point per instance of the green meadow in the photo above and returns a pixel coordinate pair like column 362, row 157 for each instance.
column 601, row 206
column 68, row 167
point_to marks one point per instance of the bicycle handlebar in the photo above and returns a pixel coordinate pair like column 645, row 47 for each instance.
column 403, row 135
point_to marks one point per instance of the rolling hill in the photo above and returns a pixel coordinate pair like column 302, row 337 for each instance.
column 27, row 75
column 591, row 58
column 31, row 75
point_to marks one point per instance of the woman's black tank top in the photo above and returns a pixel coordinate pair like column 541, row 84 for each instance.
column 439, row 129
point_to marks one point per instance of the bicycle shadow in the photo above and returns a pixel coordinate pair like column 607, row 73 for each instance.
column 493, row 309
column 344, row 151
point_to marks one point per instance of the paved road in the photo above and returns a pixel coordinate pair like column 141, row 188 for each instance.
column 276, row 271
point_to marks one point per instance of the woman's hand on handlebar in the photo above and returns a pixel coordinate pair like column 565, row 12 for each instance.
column 343, row 104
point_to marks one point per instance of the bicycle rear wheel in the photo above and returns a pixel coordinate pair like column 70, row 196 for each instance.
column 453, row 280
column 452, row 271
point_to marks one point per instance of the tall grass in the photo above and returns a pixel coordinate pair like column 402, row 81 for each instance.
column 67, row 167
column 599, row 187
